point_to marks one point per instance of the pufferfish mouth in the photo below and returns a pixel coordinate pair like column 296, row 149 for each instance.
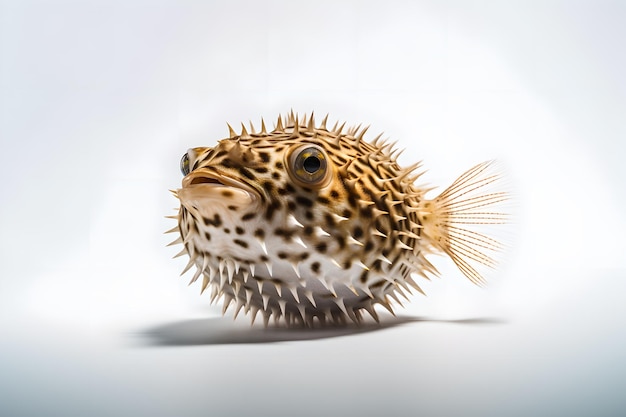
column 203, row 181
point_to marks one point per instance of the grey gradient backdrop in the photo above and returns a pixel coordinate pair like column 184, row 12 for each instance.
column 98, row 101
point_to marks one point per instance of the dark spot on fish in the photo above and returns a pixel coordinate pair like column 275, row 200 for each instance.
column 275, row 175
column 232, row 208
column 279, row 165
column 260, row 170
column 363, row 277
column 342, row 160
column 284, row 233
column 369, row 245
column 282, row 255
column 334, row 194
column 239, row 230
column 241, row 243
column 291, row 205
column 248, row 216
column 276, row 204
column 346, row 213
column 217, row 221
column 227, row 193
column 352, row 198
column 321, row 247
column 357, row 232
column 265, row 157
column 246, row 173
column 323, row 200
column 308, row 214
column 308, row 230
column 315, row 267
column 378, row 284
column 207, row 235
column 335, row 146
column 226, row 230
column 264, row 258
column 268, row 186
column 260, row 233
column 304, row 256
column 330, row 222
column 377, row 265
column 307, row 202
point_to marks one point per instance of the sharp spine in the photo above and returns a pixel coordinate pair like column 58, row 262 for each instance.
column 205, row 282
column 178, row 241
column 244, row 132
column 323, row 124
column 299, row 241
column 309, row 295
column 294, row 292
column 291, row 221
column 191, row 263
column 279, row 289
column 341, row 304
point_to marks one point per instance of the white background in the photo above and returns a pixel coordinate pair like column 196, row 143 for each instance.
column 99, row 100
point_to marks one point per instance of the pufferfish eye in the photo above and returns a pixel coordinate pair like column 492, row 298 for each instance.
column 184, row 164
column 308, row 165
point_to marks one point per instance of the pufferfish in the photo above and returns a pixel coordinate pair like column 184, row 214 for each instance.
column 315, row 225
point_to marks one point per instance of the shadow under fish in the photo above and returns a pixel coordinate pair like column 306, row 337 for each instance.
column 220, row 331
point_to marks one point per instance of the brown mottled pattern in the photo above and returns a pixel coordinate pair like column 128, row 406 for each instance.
column 306, row 222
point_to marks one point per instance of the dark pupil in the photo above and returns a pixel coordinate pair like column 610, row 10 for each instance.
column 184, row 164
column 312, row 164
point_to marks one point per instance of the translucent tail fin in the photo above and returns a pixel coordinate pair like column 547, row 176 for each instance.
column 450, row 219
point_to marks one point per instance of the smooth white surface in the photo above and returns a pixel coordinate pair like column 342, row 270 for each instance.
column 99, row 100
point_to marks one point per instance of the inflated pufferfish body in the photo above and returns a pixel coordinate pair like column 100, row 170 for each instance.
column 307, row 222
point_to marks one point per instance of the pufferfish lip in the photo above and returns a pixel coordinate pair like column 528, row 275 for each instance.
column 205, row 178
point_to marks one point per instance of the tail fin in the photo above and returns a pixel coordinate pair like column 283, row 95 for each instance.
column 449, row 219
